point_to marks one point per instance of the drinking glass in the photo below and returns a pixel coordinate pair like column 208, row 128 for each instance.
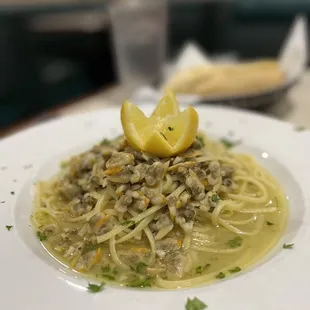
column 139, row 37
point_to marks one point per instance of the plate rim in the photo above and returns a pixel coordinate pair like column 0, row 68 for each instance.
column 170, row 296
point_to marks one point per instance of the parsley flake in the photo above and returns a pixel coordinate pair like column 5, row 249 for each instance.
column 41, row 236
column 170, row 128
column 300, row 128
column 234, row 270
column 234, row 243
column 228, row 143
column 141, row 267
column 269, row 223
column 201, row 269
column 106, row 269
column 201, row 140
column 195, row 304
column 109, row 277
column 64, row 164
column 220, row 275
column 94, row 288
column 8, row 227
column 141, row 282
column 105, row 142
column 2, row 201
column 89, row 247
column 288, row 246
column 215, row 197
column 107, row 272
column 128, row 223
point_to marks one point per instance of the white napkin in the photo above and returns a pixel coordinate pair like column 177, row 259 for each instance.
column 293, row 55
column 293, row 59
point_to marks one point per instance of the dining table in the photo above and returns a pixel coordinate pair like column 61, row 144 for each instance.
column 294, row 108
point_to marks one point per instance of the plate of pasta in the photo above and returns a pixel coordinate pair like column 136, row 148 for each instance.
column 185, row 207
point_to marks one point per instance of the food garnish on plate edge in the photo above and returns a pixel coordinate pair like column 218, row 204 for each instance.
column 162, row 206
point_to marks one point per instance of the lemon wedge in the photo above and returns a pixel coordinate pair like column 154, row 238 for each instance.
column 166, row 132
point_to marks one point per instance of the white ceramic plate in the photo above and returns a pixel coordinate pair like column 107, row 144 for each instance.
column 31, row 279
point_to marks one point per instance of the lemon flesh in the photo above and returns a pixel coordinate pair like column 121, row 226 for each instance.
column 166, row 132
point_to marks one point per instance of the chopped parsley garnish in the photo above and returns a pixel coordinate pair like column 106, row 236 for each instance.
column 41, row 236
column 8, row 227
column 228, row 143
column 164, row 136
column 105, row 142
column 195, row 304
column 269, row 223
column 143, row 282
column 288, row 246
column 107, row 272
column 2, row 201
column 234, row 243
column 215, row 197
column 141, row 267
column 106, row 269
column 94, row 288
column 300, row 128
column 201, row 269
column 128, row 223
column 170, row 128
column 220, row 275
column 200, row 139
column 234, row 270
column 211, row 209
column 89, row 247
column 64, row 164
column 109, row 277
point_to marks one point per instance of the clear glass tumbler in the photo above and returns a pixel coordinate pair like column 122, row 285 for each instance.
column 139, row 29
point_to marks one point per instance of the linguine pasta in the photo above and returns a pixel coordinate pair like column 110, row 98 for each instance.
column 129, row 217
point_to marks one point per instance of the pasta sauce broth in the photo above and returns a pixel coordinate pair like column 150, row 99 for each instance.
column 119, row 215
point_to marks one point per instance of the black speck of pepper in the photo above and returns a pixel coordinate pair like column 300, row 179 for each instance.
column 28, row 166
column 2, row 201
column 14, row 180
column 3, row 168
column 12, row 193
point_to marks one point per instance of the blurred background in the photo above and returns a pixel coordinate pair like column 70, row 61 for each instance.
column 55, row 52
